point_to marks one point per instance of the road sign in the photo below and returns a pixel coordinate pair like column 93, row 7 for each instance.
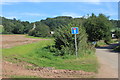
column 75, row 30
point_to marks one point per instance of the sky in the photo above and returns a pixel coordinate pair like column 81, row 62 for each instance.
column 36, row 11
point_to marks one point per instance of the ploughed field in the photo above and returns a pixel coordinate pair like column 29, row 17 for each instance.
column 9, row 41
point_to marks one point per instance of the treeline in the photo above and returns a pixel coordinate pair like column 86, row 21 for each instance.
column 43, row 27
column 13, row 26
column 116, row 23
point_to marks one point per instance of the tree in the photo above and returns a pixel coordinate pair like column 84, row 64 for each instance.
column 18, row 29
column 117, row 33
column 41, row 30
column 54, row 23
column 98, row 27
column 27, row 26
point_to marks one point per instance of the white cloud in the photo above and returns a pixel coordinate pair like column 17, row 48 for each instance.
column 10, row 17
column 74, row 15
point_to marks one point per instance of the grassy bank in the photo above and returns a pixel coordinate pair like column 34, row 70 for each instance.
column 36, row 54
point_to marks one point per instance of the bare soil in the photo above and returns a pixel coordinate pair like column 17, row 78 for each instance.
column 10, row 69
column 19, row 69
column 9, row 41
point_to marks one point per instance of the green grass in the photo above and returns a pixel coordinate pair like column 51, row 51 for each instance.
column 115, row 41
column 36, row 54
column 38, row 37
column 1, row 28
column 100, row 43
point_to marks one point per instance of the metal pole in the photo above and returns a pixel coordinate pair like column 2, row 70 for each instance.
column 75, row 46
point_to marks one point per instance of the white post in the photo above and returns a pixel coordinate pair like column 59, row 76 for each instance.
column 75, row 46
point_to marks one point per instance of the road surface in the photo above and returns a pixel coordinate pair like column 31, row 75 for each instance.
column 108, row 62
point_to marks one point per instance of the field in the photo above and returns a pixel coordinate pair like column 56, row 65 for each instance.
column 34, row 60
column 9, row 41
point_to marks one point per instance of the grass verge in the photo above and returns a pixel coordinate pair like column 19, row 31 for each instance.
column 102, row 43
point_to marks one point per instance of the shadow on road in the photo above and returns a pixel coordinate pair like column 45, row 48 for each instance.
column 110, row 47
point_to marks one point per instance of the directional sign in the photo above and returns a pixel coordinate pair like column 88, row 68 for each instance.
column 75, row 30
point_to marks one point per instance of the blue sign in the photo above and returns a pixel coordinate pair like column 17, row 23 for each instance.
column 75, row 30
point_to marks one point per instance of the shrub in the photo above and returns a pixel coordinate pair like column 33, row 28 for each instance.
column 117, row 33
column 64, row 40
column 107, row 40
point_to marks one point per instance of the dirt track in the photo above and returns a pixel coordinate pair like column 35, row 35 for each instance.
column 108, row 62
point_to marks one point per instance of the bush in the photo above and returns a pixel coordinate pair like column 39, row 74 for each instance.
column 107, row 40
column 117, row 33
column 64, row 40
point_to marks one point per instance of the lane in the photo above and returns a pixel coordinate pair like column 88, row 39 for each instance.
column 108, row 62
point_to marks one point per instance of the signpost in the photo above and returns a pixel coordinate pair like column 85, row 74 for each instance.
column 75, row 31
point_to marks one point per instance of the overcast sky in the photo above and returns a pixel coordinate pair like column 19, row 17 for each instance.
column 35, row 11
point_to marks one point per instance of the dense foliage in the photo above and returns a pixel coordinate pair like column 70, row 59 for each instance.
column 41, row 30
column 15, row 26
column 116, row 23
column 54, row 23
column 65, row 41
column 98, row 27
column 117, row 33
